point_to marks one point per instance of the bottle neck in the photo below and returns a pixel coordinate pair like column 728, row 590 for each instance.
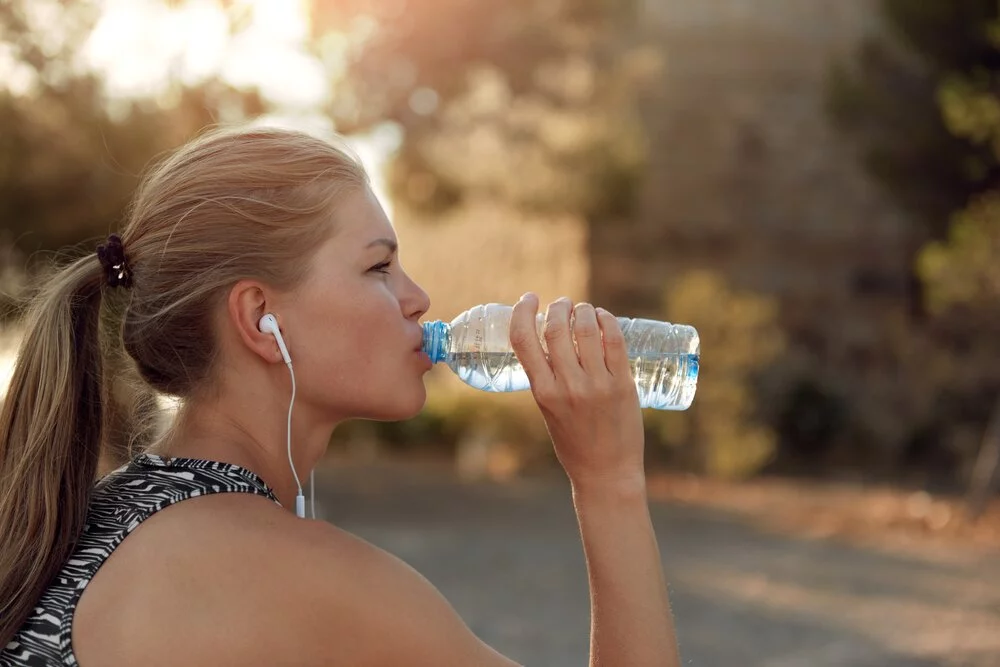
column 436, row 336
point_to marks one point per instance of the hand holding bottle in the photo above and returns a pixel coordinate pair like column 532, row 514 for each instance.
column 590, row 403
column 585, row 391
column 664, row 357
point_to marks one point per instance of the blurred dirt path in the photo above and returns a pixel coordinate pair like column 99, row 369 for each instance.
column 508, row 557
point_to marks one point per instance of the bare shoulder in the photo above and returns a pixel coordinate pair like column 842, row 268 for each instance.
column 244, row 581
column 363, row 606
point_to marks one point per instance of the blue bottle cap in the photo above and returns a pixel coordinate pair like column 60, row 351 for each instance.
column 694, row 365
column 436, row 340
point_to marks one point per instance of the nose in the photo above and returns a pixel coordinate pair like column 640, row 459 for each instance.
column 416, row 301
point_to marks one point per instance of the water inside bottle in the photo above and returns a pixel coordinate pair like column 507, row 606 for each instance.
column 663, row 381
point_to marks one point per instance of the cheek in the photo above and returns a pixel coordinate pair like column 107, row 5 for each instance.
column 355, row 347
column 364, row 375
column 359, row 346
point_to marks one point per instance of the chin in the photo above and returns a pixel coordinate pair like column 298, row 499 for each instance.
column 401, row 409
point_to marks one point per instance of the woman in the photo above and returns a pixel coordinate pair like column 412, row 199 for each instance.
column 242, row 250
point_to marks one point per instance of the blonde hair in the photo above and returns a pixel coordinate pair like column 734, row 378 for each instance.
column 232, row 204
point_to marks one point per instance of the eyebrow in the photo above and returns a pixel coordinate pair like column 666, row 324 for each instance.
column 388, row 243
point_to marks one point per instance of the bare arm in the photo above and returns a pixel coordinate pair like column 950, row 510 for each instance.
column 630, row 614
column 591, row 408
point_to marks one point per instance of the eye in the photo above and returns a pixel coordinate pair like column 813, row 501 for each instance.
column 383, row 267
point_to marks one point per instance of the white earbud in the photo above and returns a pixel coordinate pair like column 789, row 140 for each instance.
column 269, row 324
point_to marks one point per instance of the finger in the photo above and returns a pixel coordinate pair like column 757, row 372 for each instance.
column 587, row 334
column 559, row 339
column 615, row 351
column 524, row 341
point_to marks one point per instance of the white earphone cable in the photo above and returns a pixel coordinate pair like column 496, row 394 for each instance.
column 299, row 499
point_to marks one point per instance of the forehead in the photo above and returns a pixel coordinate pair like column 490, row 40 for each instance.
column 359, row 219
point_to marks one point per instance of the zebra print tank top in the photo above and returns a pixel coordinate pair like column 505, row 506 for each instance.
column 121, row 501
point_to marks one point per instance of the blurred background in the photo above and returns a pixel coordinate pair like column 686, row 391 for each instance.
column 812, row 184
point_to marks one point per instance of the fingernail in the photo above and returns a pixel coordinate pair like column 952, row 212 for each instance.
column 601, row 311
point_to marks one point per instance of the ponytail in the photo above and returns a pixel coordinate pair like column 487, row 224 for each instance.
column 50, row 438
column 237, row 203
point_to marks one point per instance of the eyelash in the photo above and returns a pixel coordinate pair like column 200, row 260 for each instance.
column 381, row 268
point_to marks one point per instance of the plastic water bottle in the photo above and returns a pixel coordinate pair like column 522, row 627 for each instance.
column 476, row 346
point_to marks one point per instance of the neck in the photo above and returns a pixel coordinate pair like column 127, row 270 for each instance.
column 255, row 439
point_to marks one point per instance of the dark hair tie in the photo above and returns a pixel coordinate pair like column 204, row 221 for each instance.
column 112, row 256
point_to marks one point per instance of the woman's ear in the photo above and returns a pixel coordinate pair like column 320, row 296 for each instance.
column 245, row 306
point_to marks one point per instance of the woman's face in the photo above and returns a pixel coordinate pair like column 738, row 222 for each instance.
column 352, row 329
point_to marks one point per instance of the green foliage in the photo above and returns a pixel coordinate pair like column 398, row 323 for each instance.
column 889, row 98
column 740, row 337
column 971, row 110
column 964, row 270
column 924, row 104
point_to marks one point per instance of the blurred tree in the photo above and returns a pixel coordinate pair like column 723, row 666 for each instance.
column 524, row 102
column 722, row 431
column 889, row 98
column 963, row 277
column 69, row 156
column 924, row 101
column 964, row 269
